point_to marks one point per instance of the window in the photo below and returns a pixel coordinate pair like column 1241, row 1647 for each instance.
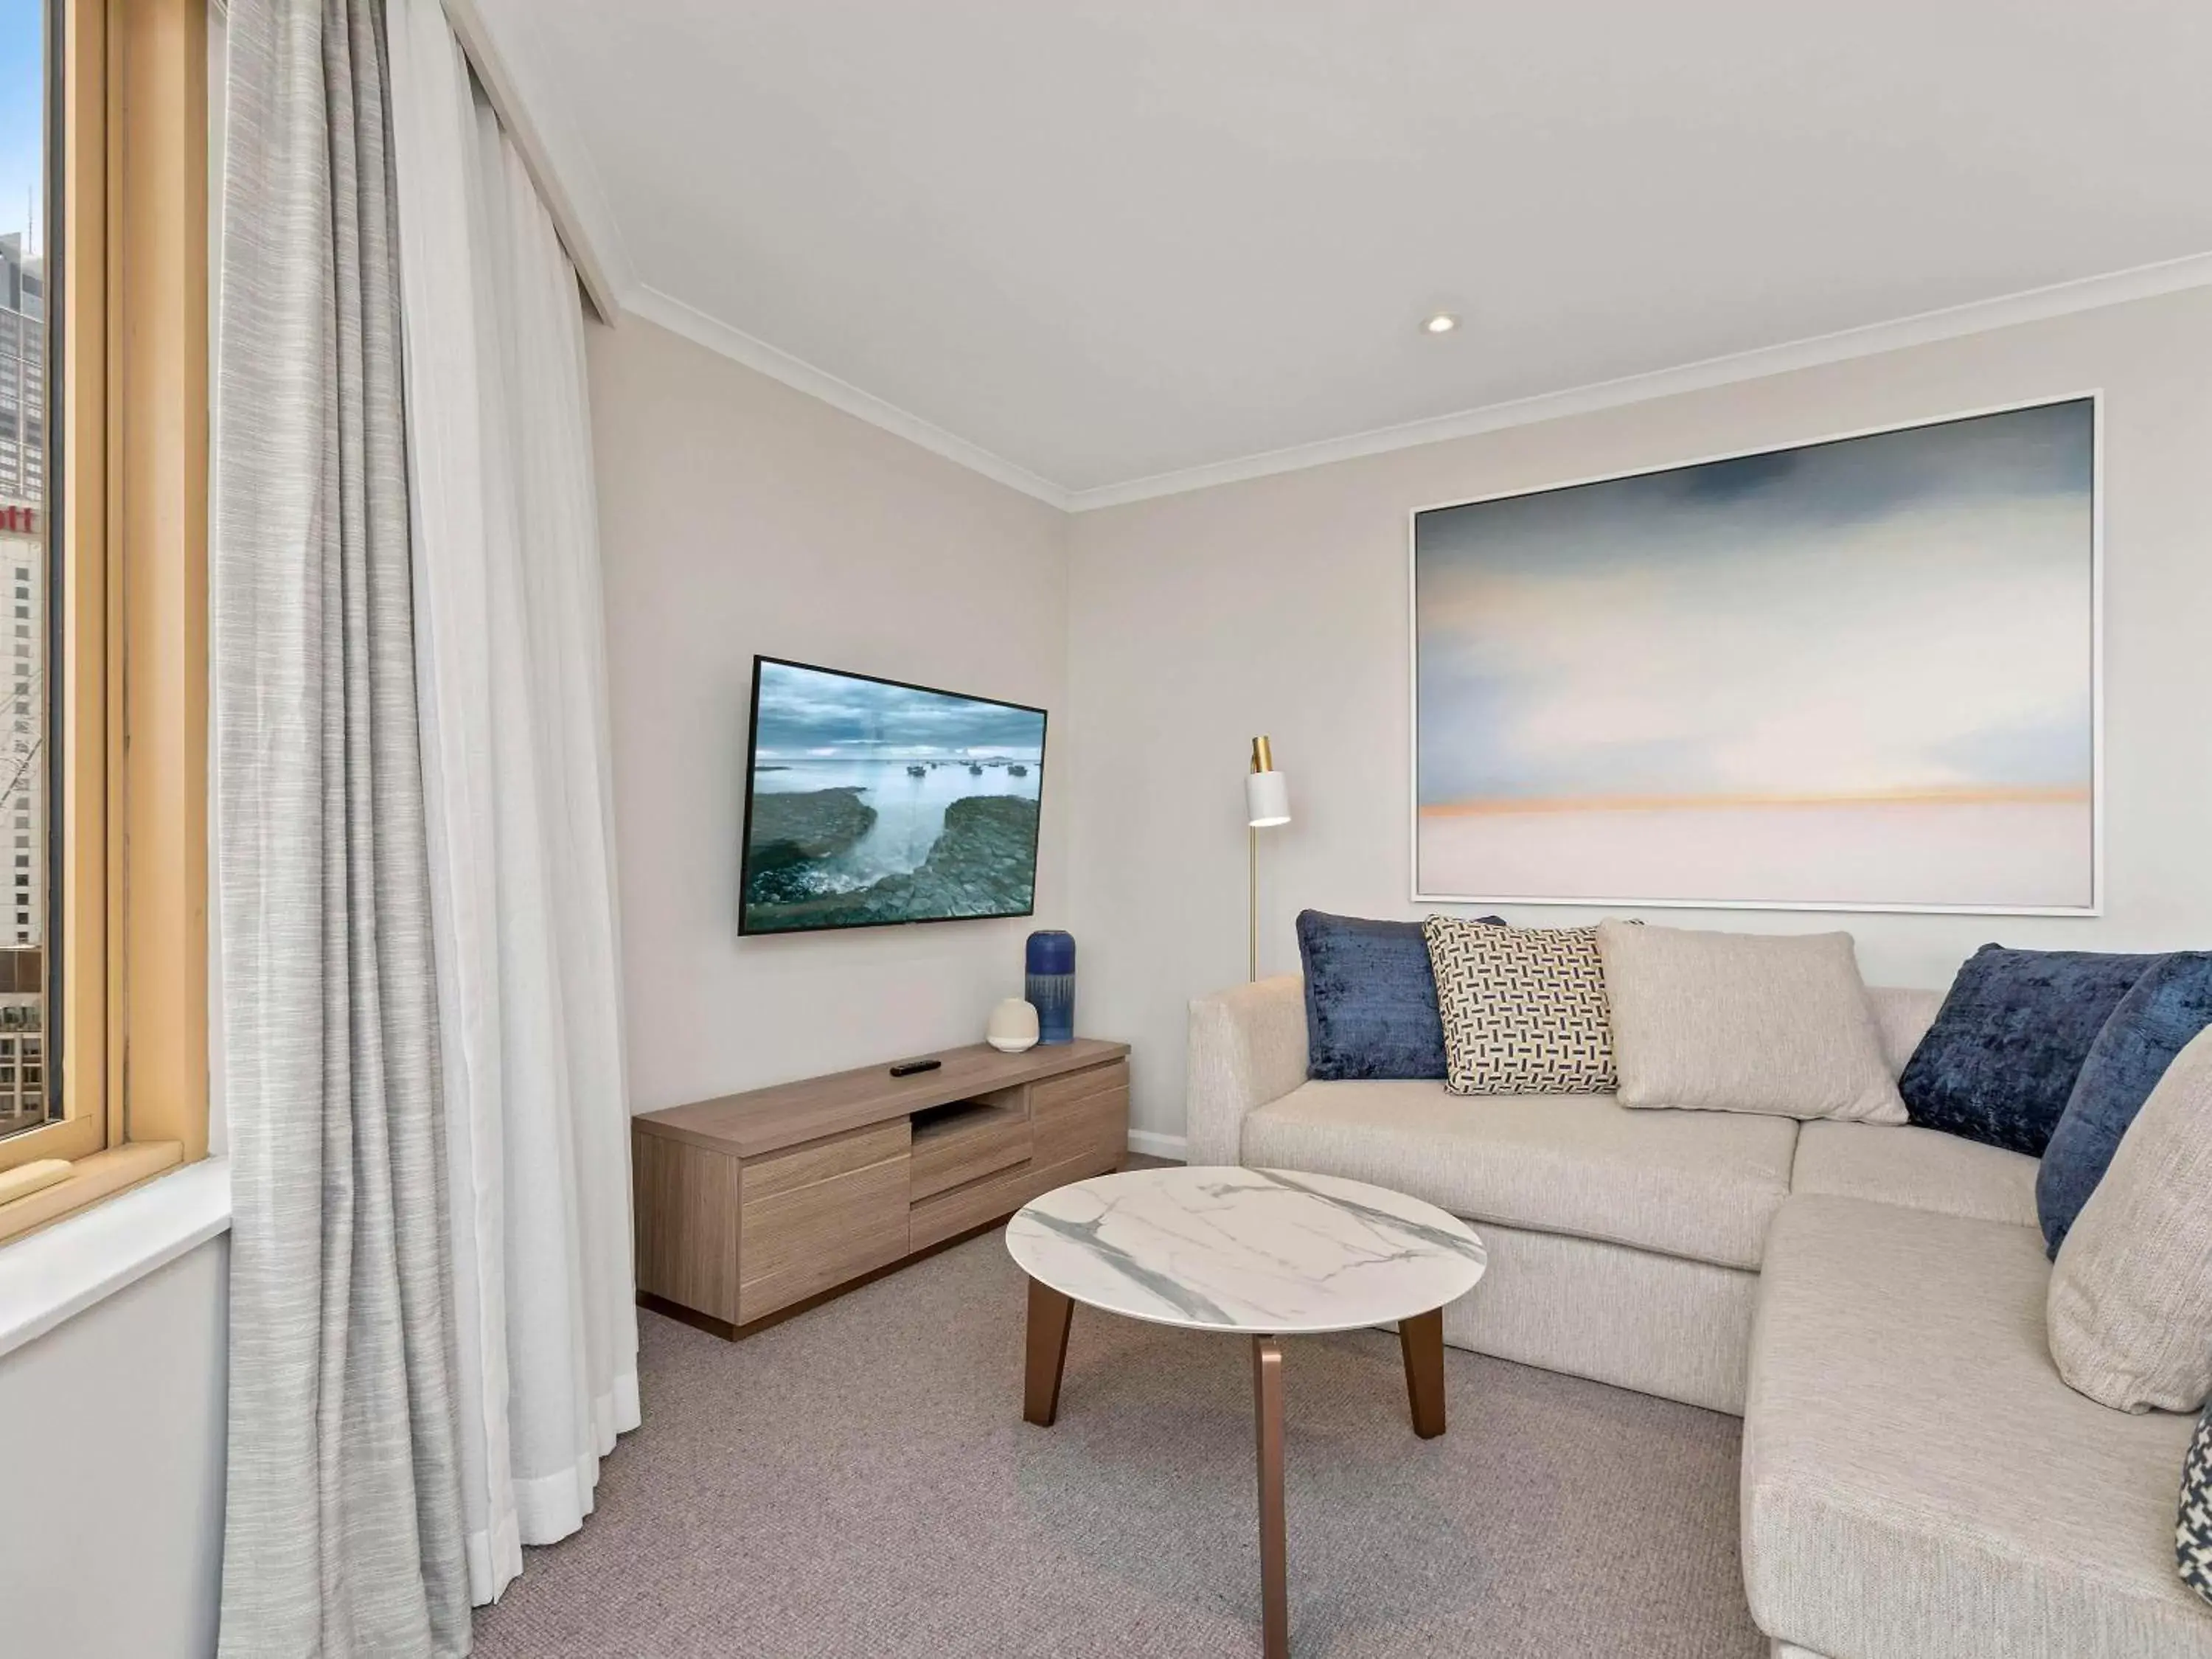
column 104, row 284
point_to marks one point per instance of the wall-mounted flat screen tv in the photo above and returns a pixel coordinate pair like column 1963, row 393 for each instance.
column 870, row 802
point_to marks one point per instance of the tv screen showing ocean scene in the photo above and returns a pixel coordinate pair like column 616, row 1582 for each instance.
column 870, row 802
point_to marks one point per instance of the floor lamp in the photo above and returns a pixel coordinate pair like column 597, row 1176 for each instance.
column 1266, row 805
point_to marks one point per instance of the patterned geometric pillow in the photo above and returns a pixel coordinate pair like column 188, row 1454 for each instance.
column 1524, row 1009
column 2192, row 1539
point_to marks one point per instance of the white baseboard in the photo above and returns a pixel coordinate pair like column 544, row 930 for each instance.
column 1155, row 1144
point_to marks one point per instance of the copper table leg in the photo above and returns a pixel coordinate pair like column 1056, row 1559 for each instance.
column 1274, row 1552
column 1421, row 1340
column 1047, row 1353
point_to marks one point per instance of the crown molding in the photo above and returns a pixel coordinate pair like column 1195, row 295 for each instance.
column 800, row 376
column 2033, row 305
column 1953, row 322
column 499, row 38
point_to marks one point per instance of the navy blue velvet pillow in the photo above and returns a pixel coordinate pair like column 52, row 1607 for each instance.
column 1371, row 998
column 2000, row 1061
column 2154, row 1022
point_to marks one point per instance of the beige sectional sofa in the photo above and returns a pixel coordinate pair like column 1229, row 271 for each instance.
column 1917, row 1481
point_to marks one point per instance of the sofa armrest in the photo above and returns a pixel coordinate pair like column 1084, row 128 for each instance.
column 1248, row 1047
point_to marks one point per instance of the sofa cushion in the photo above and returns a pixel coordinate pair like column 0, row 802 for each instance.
column 1523, row 1008
column 1702, row 1185
column 2131, row 1291
column 2003, row 1053
column 1711, row 1021
column 1916, row 1478
column 1370, row 998
column 1919, row 1169
column 2161, row 1011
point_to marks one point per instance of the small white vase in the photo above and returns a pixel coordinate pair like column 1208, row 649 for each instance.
column 1013, row 1027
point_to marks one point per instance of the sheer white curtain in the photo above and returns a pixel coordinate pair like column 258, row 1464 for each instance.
column 511, row 665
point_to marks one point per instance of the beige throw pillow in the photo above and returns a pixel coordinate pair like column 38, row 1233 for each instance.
column 2130, row 1304
column 1777, row 1024
column 1523, row 1008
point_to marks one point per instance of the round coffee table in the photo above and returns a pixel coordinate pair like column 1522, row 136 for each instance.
column 1258, row 1253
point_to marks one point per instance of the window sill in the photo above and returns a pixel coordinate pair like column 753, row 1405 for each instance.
column 79, row 1260
column 88, row 1181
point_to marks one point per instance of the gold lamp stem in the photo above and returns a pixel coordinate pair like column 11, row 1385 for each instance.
column 1263, row 760
column 1266, row 804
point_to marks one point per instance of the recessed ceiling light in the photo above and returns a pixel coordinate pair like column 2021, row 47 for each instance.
column 1442, row 323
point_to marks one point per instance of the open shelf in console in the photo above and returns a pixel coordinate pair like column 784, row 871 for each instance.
column 957, row 1117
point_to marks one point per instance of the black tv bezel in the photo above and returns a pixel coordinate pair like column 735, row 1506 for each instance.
column 752, row 758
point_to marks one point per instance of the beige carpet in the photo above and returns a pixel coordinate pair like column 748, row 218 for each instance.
column 859, row 1481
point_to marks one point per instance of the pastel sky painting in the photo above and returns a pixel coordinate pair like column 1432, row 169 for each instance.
column 1899, row 619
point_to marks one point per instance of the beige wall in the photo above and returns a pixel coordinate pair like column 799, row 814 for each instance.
column 1280, row 606
column 738, row 516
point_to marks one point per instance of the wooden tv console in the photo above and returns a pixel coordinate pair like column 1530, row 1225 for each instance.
column 755, row 1206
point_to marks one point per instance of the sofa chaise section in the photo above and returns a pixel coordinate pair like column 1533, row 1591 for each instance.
column 1916, row 1478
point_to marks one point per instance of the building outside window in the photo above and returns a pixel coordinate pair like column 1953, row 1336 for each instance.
column 25, row 562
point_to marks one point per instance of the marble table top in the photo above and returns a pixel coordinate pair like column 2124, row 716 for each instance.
column 1271, row 1252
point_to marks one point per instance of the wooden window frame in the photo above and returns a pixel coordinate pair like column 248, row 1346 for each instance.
column 131, row 987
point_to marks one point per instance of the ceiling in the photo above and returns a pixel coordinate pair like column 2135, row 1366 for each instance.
column 1089, row 242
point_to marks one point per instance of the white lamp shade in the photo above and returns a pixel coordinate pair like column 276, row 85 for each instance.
column 1266, row 799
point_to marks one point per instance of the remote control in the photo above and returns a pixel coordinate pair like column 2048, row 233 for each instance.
column 909, row 1067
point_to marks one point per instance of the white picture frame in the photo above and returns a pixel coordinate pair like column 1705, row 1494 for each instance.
column 1428, row 892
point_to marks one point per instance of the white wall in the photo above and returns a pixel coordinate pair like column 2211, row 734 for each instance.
column 1279, row 606
column 112, row 1436
column 739, row 516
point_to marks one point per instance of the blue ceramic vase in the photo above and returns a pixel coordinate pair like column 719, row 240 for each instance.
column 1051, row 984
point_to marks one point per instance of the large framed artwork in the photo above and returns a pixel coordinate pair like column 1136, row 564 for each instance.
column 1860, row 674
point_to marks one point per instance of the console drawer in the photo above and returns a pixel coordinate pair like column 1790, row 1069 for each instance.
column 941, row 1217
column 819, row 1160
column 1056, row 1091
column 1083, row 1116
column 818, row 1215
